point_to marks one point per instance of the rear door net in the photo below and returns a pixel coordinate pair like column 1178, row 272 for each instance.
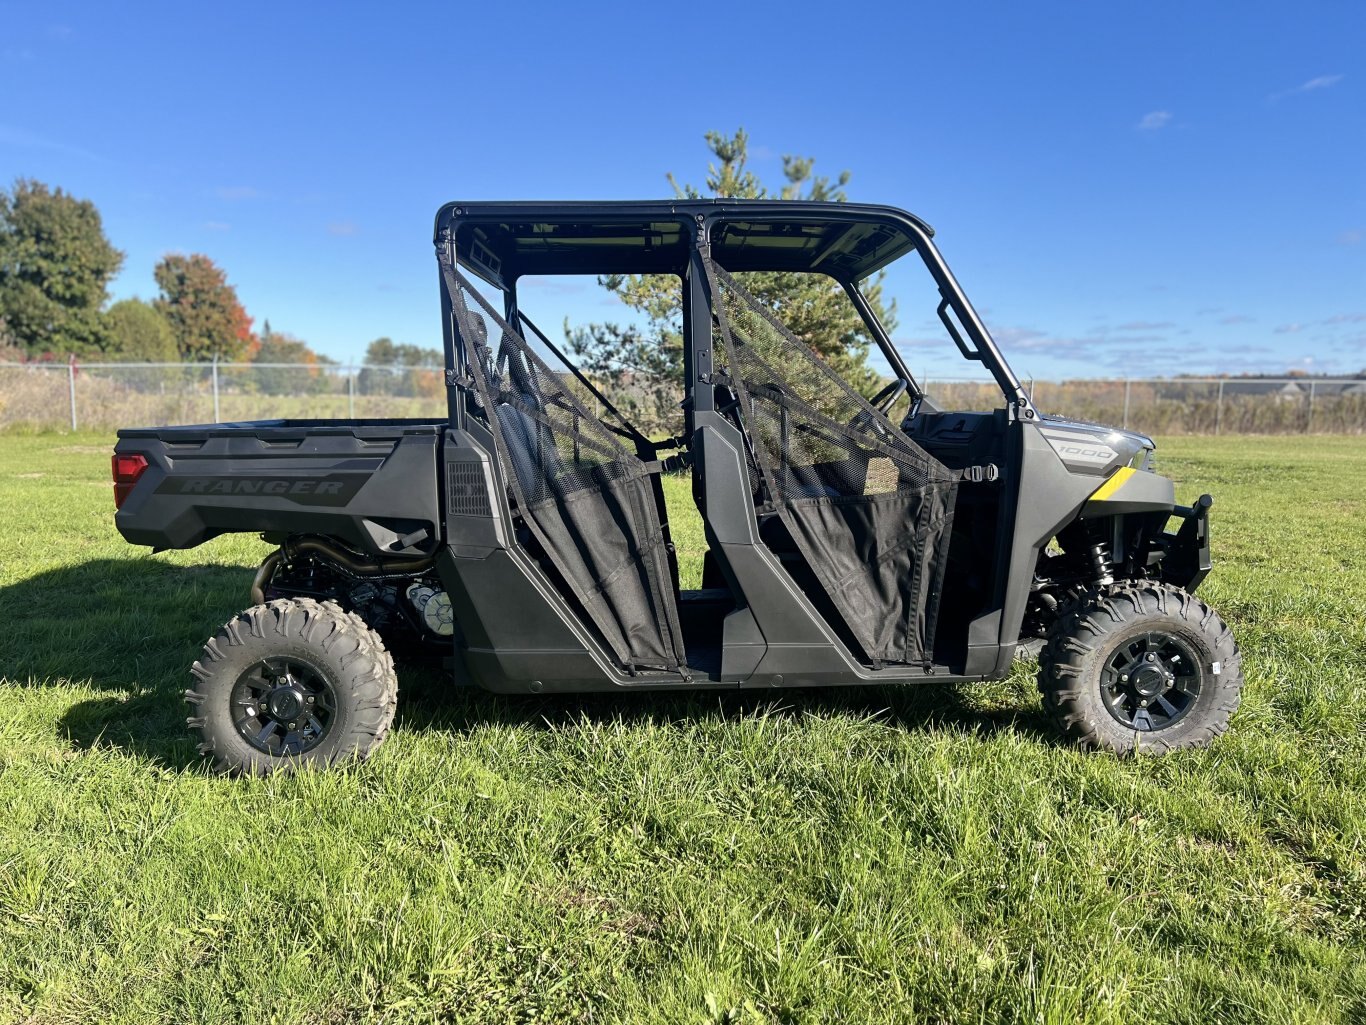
column 586, row 499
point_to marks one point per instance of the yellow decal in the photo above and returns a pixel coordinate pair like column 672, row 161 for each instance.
column 1116, row 481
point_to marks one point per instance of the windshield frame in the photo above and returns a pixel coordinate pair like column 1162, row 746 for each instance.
column 951, row 296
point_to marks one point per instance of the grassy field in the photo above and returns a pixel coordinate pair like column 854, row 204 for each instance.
column 921, row 854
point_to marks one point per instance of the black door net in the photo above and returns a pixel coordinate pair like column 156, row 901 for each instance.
column 586, row 499
column 868, row 509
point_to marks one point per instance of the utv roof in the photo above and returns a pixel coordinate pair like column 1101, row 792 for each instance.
column 503, row 241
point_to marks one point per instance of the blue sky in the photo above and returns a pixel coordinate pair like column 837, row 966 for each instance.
column 1145, row 188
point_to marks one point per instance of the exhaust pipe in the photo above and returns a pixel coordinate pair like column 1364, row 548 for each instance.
column 352, row 563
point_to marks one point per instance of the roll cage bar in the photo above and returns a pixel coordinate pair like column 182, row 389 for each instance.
column 501, row 242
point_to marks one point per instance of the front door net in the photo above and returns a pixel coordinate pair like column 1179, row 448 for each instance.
column 869, row 510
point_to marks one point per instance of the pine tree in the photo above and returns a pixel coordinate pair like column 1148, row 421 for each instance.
column 644, row 368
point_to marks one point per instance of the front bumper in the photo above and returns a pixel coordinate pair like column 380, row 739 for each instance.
column 1186, row 561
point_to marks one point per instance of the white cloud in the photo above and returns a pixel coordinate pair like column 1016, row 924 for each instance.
column 1154, row 120
column 1313, row 85
column 1322, row 82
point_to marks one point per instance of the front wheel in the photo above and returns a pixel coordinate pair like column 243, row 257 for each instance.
column 288, row 683
column 1140, row 666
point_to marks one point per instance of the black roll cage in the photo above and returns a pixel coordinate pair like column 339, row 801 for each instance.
column 459, row 239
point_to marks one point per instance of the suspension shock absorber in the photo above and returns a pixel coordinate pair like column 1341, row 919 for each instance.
column 1102, row 571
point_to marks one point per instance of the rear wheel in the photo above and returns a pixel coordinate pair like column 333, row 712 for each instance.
column 1141, row 666
column 288, row 683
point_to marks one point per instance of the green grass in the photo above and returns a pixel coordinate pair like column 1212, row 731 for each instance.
column 915, row 854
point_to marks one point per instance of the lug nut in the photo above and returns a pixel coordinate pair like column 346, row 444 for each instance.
column 294, row 724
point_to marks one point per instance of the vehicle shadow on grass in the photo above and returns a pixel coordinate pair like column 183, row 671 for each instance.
column 128, row 628
column 430, row 703
column 132, row 627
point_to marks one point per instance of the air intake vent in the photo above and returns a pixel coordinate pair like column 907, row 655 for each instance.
column 467, row 492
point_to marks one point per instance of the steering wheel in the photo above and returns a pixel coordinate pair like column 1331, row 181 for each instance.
column 882, row 402
column 886, row 399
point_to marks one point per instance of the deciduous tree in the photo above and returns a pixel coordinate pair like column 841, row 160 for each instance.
column 391, row 369
column 137, row 331
column 202, row 309
column 276, row 347
column 55, row 269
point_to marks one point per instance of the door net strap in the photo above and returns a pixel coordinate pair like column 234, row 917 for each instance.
column 869, row 510
column 585, row 497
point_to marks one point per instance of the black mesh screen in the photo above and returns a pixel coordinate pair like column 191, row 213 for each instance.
column 869, row 510
column 586, row 498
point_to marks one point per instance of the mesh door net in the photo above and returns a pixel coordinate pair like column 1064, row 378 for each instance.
column 586, row 498
column 869, row 510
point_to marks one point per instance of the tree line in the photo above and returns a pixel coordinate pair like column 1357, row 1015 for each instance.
column 56, row 264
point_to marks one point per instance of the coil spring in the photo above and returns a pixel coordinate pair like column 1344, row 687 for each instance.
column 1102, row 572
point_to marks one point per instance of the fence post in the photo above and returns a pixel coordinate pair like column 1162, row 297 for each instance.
column 1219, row 408
column 71, row 386
column 1127, row 382
column 216, row 417
column 1309, row 420
column 351, row 392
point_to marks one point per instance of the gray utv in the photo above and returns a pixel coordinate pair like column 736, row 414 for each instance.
column 524, row 538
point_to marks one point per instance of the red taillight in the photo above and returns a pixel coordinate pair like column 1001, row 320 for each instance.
column 127, row 469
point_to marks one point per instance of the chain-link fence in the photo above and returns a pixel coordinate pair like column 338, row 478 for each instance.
column 1185, row 405
column 104, row 396
column 109, row 395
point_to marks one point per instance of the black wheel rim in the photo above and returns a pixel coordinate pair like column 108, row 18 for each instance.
column 283, row 706
column 1151, row 681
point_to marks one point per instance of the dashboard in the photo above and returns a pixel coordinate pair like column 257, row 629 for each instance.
column 959, row 440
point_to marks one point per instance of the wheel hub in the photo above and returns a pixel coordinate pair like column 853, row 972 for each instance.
column 283, row 706
column 1151, row 680
column 285, row 703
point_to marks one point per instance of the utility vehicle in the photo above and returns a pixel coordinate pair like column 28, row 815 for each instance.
column 524, row 535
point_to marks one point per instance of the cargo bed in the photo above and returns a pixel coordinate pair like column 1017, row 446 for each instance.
column 370, row 483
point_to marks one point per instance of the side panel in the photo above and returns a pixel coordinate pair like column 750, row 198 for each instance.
column 519, row 635
column 1049, row 497
column 373, row 487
